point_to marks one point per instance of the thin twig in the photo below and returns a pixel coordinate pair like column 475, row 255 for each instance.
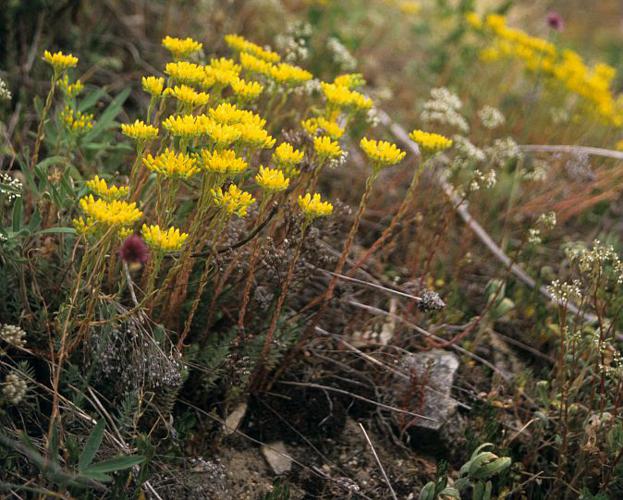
column 588, row 150
column 378, row 461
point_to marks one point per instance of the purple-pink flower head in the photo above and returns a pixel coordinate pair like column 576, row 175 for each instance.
column 555, row 21
column 134, row 251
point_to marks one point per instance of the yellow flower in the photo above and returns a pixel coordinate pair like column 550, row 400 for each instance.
column 272, row 179
column 247, row 91
column 255, row 65
column 289, row 75
column 223, row 162
column 225, row 64
column 172, row 164
column 241, row 44
column 170, row 240
column 111, row 213
column 153, row 85
column 218, row 76
column 286, row 157
column 84, row 226
column 342, row 97
column 183, row 126
column 255, row 136
column 326, row 148
column 100, row 188
column 75, row 121
column 350, row 80
column 181, row 48
column 139, row 131
column 188, row 95
column 322, row 126
column 313, row 206
column 474, row 20
column 382, row 153
column 59, row 61
column 185, row 72
column 229, row 114
column 233, row 201
column 430, row 142
column 124, row 232
column 222, row 135
column 70, row 89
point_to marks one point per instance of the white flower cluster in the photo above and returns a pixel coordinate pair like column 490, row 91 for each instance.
column 482, row 180
column 564, row 293
column 539, row 171
column 444, row 108
column 341, row 55
column 467, row 150
column 293, row 43
column 596, row 261
column 504, row 151
column 14, row 388
column 5, row 93
column 10, row 187
column 491, row 117
column 13, row 335
column 534, row 236
column 547, row 220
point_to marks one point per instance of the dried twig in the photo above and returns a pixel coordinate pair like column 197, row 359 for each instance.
column 378, row 461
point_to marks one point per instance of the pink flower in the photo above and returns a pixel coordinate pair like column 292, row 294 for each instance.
column 134, row 250
column 555, row 21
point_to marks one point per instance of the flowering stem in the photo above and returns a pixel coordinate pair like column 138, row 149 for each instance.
column 280, row 302
column 406, row 202
column 44, row 114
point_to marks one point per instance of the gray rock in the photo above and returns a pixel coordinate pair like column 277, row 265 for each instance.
column 426, row 388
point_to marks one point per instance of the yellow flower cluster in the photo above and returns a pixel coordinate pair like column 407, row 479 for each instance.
column 181, row 48
column 241, row 44
column 230, row 114
column 172, row 164
column 234, row 200
column 110, row 213
column 350, row 80
column 245, row 90
column 592, row 84
column 153, row 85
column 188, row 95
column 70, row 89
column 222, row 162
column 100, row 188
column 76, row 121
column 286, row 157
column 429, row 141
column 185, row 72
column 159, row 240
column 381, row 153
column 313, row 206
column 139, row 131
column 342, row 97
column 272, row 180
column 184, row 126
column 322, row 126
column 289, row 75
column 59, row 61
column 326, row 148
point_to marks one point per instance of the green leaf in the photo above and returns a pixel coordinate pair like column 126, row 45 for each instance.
column 54, row 230
column 115, row 464
column 91, row 99
column 92, row 445
column 106, row 120
column 18, row 214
